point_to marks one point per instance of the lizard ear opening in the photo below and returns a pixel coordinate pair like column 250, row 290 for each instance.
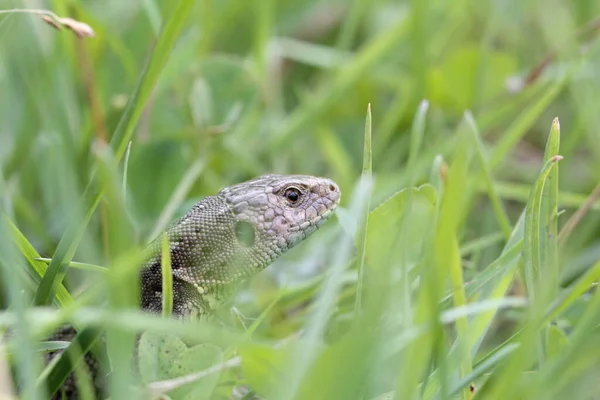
column 244, row 232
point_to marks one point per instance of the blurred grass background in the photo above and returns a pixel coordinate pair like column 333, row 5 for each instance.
column 267, row 86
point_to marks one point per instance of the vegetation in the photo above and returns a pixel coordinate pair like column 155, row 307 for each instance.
column 461, row 264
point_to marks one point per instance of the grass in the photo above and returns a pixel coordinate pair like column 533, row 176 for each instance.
column 461, row 264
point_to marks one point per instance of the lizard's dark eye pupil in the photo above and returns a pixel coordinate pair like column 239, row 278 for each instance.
column 292, row 194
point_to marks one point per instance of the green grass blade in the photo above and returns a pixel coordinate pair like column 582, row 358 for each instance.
column 499, row 210
column 25, row 361
column 78, row 265
column 64, row 252
column 158, row 59
column 484, row 367
column 126, row 168
column 567, row 298
column 36, row 269
column 532, row 254
column 590, row 203
column 447, row 255
column 361, row 234
column 520, row 192
column 433, row 280
column 167, row 277
column 549, row 212
column 351, row 24
column 404, row 239
column 178, row 196
column 506, row 265
column 531, row 342
column 308, row 350
column 55, row 374
column 122, row 135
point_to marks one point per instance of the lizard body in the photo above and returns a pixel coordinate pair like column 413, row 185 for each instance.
column 225, row 238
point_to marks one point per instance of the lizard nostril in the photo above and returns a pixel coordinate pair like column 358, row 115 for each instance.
column 332, row 187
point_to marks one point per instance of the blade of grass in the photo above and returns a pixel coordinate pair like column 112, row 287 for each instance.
column 588, row 205
column 122, row 269
column 26, row 363
column 416, row 139
column 536, row 249
column 480, row 243
column 78, row 265
column 361, row 234
column 549, row 212
column 351, row 24
column 7, row 390
column 120, row 234
column 532, row 251
column 178, row 196
column 499, row 210
column 448, row 254
column 502, row 385
column 519, row 192
column 584, row 284
column 433, row 281
column 308, row 350
column 129, row 320
column 265, row 12
column 548, row 233
column 55, row 374
column 158, row 59
column 121, row 294
column 511, row 258
column 167, row 277
column 36, row 269
column 126, row 169
column 122, row 135
column 460, row 300
column 483, row 367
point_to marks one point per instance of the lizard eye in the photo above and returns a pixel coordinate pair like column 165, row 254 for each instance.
column 292, row 194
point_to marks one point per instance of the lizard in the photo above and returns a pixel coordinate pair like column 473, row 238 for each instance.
column 225, row 239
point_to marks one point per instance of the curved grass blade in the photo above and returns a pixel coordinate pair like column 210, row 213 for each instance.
column 26, row 363
column 532, row 251
column 530, row 339
column 91, row 197
column 37, row 268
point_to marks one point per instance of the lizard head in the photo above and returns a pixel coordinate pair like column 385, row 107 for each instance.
column 226, row 238
column 275, row 212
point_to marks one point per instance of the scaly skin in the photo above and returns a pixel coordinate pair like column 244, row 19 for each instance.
column 226, row 238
